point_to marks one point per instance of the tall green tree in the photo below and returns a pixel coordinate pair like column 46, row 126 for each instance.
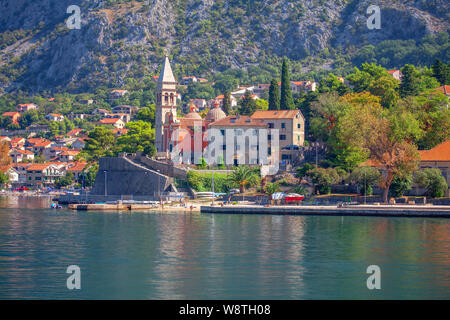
column 140, row 137
column 101, row 143
column 247, row 105
column 274, row 95
column 286, row 100
column 441, row 72
column 226, row 107
column 410, row 81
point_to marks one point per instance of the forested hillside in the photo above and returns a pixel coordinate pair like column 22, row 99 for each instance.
column 242, row 40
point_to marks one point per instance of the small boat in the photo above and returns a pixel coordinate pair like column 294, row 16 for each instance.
column 293, row 197
column 55, row 206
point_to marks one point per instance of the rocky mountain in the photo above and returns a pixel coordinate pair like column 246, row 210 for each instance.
column 127, row 39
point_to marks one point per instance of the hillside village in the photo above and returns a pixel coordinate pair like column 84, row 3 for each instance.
column 45, row 151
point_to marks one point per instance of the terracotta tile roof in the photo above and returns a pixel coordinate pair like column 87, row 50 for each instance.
column 26, row 104
column 241, row 121
column 17, row 140
column 103, row 110
column 35, row 140
column 55, row 115
column 42, row 144
column 119, row 91
column 38, row 166
column 77, row 167
column 444, row 89
column 393, row 71
column 116, row 131
column 70, row 153
column 439, row 153
column 11, row 114
column 74, row 132
column 23, row 151
column 275, row 114
column 109, row 121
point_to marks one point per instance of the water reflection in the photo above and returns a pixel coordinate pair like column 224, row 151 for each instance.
column 190, row 256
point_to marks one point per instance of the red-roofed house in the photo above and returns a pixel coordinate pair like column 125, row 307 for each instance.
column 39, row 174
column 397, row 74
column 117, row 94
column 102, row 112
column 17, row 142
column 75, row 132
column 77, row 169
column 11, row 173
column 13, row 115
column 19, row 155
column 444, row 89
column 438, row 157
column 54, row 117
column 40, row 147
column 53, row 152
column 68, row 156
column 116, row 123
column 21, row 108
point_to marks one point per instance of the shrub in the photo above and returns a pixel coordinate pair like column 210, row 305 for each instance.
column 433, row 181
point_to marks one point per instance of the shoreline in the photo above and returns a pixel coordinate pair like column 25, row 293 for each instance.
column 357, row 210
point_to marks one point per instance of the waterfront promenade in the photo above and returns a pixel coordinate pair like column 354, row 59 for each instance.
column 357, row 210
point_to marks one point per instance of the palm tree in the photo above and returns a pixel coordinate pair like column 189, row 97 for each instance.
column 241, row 176
column 272, row 188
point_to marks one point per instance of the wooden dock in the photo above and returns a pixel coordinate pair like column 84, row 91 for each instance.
column 131, row 207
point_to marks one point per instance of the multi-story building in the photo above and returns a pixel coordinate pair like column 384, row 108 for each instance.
column 291, row 128
column 41, row 174
column 245, row 135
column 21, row 108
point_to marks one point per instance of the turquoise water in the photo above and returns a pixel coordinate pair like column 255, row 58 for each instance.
column 144, row 255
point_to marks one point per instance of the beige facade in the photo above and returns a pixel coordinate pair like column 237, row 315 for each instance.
column 291, row 127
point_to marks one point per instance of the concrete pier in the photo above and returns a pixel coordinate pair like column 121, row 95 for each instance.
column 361, row 210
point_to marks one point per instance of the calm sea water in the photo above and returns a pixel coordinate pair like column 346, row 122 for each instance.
column 144, row 255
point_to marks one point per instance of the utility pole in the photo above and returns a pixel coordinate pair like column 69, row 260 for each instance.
column 317, row 155
column 106, row 188
column 213, row 186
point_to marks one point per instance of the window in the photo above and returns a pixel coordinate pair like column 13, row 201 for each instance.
column 269, row 151
column 298, row 138
column 222, row 132
column 224, row 147
column 282, row 137
column 269, row 137
column 283, row 125
column 271, row 126
column 299, row 125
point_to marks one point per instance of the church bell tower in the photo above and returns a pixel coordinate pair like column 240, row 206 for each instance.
column 166, row 103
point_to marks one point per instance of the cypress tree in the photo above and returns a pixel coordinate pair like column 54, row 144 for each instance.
column 247, row 106
column 227, row 103
column 441, row 72
column 410, row 81
column 286, row 100
column 274, row 95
